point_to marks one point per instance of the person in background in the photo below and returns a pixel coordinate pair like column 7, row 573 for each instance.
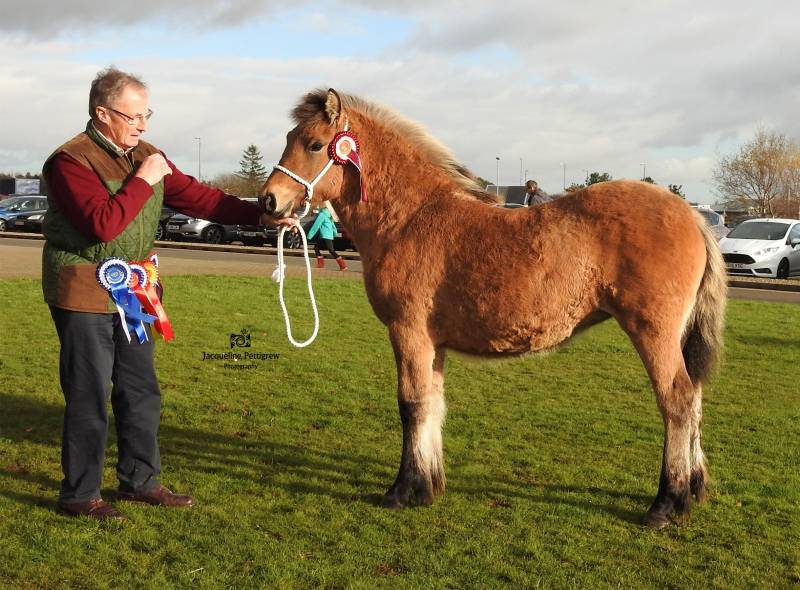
column 326, row 227
column 534, row 195
column 106, row 190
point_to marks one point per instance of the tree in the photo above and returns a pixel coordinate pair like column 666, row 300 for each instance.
column 649, row 179
column 482, row 182
column 763, row 176
column 596, row 177
column 677, row 189
column 574, row 187
column 230, row 183
column 252, row 171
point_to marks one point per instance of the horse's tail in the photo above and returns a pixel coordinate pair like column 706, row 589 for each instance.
column 702, row 347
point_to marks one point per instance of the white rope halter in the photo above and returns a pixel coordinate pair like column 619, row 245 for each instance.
column 280, row 273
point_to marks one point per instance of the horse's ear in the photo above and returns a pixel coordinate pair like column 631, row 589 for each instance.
column 333, row 106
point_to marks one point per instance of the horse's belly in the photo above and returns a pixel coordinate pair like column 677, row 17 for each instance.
column 517, row 339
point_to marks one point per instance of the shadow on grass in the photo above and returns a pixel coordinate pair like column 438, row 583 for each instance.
column 257, row 460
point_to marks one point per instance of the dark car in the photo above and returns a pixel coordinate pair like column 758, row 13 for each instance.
column 23, row 213
column 161, row 230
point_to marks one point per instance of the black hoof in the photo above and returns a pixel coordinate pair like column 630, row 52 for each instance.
column 657, row 520
column 393, row 501
column 418, row 493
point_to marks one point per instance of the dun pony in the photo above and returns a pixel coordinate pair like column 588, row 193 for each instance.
column 443, row 269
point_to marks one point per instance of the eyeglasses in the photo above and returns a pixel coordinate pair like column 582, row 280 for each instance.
column 132, row 120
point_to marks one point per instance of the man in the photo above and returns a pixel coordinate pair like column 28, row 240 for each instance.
column 106, row 190
column 534, row 195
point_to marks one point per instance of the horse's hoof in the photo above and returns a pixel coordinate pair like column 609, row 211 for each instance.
column 657, row 520
column 392, row 501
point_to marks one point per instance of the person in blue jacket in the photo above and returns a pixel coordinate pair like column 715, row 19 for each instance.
column 326, row 227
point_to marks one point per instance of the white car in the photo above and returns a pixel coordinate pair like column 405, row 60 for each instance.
column 763, row 248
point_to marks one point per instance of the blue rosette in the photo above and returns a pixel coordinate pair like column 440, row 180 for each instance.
column 114, row 275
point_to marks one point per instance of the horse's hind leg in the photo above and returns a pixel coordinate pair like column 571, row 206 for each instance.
column 699, row 476
column 676, row 396
column 420, row 396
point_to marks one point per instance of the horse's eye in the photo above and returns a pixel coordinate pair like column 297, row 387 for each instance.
column 315, row 147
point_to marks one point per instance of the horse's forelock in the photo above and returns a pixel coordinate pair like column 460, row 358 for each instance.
column 311, row 108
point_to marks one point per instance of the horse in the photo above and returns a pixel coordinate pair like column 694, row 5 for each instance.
column 443, row 269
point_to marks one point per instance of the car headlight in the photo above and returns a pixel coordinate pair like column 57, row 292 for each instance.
column 765, row 251
column 35, row 217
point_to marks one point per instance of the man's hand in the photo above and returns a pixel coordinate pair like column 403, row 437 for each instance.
column 153, row 168
column 270, row 221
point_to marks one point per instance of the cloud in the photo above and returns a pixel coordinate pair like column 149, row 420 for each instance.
column 40, row 18
column 599, row 86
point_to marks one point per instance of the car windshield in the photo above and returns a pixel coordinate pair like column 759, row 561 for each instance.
column 5, row 203
column 759, row 230
column 711, row 217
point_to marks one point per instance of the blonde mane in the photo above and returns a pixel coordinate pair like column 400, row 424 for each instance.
column 312, row 107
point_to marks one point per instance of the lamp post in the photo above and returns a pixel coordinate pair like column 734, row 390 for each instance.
column 520, row 172
column 199, row 169
column 586, row 182
column 644, row 170
column 497, row 184
column 564, row 170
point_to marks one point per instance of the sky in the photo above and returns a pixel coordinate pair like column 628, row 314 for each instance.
column 555, row 90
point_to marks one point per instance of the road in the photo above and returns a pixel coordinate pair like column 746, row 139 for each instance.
column 22, row 258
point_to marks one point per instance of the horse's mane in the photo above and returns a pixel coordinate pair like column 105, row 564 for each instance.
column 312, row 106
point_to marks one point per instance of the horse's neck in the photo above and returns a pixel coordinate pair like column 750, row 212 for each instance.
column 398, row 184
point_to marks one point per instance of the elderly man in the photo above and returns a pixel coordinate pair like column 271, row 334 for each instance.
column 106, row 189
column 534, row 195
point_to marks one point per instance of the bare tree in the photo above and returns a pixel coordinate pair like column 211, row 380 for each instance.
column 761, row 175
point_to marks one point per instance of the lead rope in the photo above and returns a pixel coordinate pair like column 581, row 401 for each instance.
column 279, row 274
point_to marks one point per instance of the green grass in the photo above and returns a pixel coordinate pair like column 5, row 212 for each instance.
column 551, row 460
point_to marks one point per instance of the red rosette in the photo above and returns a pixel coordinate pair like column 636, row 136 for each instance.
column 148, row 296
column 344, row 148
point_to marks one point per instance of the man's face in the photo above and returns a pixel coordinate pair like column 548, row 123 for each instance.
column 133, row 102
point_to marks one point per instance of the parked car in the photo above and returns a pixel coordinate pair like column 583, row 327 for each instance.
column 181, row 226
column 23, row 213
column 161, row 230
column 715, row 220
column 764, row 248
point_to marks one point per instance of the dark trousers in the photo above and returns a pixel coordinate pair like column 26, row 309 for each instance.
column 95, row 354
column 328, row 244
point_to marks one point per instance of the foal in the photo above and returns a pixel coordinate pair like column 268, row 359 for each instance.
column 445, row 270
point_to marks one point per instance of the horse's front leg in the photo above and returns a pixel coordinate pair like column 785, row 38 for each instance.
column 420, row 396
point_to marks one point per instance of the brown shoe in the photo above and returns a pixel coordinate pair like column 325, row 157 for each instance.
column 95, row 508
column 158, row 496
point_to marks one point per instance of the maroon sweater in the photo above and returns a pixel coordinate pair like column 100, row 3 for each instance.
column 79, row 193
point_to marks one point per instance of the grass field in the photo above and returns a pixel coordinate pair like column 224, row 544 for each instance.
column 551, row 460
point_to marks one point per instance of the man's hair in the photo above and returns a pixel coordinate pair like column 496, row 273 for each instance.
column 108, row 85
column 531, row 184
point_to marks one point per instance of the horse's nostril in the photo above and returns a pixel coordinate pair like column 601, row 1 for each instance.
column 268, row 203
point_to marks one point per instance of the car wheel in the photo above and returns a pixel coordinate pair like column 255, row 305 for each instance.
column 213, row 234
column 291, row 240
column 2, row 225
column 160, row 232
column 783, row 270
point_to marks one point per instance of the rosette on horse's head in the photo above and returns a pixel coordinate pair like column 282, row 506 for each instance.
column 329, row 166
